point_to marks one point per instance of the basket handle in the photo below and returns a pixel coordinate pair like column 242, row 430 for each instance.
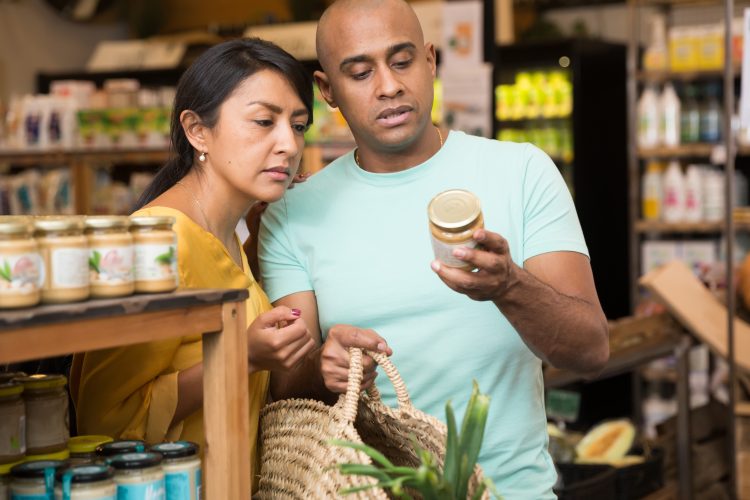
column 351, row 398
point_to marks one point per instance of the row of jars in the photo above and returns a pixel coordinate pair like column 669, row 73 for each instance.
column 33, row 416
column 97, row 468
column 68, row 259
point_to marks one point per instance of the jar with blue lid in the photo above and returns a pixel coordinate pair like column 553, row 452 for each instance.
column 34, row 480
column 139, row 476
column 119, row 447
column 182, row 469
column 85, row 482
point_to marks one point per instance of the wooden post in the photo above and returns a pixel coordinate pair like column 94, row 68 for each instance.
column 226, row 418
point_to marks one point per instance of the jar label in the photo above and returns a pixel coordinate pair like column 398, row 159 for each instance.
column 180, row 486
column 152, row 490
column 47, row 422
column 21, row 273
column 444, row 252
column 33, row 496
column 12, row 430
column 198, row 484
column 111, row 265
column 69, row 267
column 155, row 262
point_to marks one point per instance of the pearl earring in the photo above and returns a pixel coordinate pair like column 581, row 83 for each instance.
column 202, row 157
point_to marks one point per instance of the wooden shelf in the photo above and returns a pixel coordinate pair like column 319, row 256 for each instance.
column 699, row 150
column 219, row 315
column 644, row 226
column 742, row 409
column 134, row 156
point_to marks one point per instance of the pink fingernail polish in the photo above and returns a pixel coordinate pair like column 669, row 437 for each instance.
column 459, row 252
column 296, row 312
column 435, row 265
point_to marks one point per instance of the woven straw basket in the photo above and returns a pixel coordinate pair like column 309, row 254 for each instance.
column 297, row 462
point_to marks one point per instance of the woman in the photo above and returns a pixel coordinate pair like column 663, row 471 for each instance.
column 239, row 116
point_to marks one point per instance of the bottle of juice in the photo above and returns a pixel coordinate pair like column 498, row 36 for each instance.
column 651, row 187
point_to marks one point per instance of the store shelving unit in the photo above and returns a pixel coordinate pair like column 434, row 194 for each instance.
column 728, row 152
column 56, row 330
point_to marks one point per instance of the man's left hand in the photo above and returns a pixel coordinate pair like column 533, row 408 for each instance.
column 495, row 271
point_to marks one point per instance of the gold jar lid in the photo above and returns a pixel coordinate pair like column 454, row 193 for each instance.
column 15, row 224
column 454, row 209
column 52, row 223
column 87, row 443
column 107, row 222
column 41, row 382
column 151, row 220
column 8, row 389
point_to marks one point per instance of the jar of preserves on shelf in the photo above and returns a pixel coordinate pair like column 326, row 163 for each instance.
column 65, row 252
column 454, row 216
column 139, row 475
column 46, row 403
column 113, row 448
column 5, row 479
column 34, row 480
column 12, row 423
column 182, row 469
column 85, row 482
column 83, row 448
column 155, row 253
column 21, row 271
column 110, row 256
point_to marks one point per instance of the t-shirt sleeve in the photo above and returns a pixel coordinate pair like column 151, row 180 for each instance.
column 282, row 265
column 550, row 219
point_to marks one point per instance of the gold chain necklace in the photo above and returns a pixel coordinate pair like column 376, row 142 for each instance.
column 356, row 151
column 197, row 203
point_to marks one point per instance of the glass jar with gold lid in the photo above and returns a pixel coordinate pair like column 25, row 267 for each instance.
column 454, row 216
column 12, row 418
column 155, row 253
column 110, row 256
column 65, row 253
column 47, row 426
column 21, row 270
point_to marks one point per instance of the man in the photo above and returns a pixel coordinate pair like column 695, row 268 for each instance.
column 351, row 249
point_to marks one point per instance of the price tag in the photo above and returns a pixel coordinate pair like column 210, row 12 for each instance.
column 563, row 405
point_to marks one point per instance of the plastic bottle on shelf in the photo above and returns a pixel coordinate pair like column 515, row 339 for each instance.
column 651, row 187
column 648, row 118
column 693, row 194
column 674, row 193
column 713, row 194
column 689, row 116
column 669, row 107
column 656, row 56
column 711, row 115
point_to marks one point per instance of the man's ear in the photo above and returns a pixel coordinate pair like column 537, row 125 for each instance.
column 321, row 79
column 429, row 49
column 195, row 131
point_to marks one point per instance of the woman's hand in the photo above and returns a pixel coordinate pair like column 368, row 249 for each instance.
column 278, row 340
column 334, row 357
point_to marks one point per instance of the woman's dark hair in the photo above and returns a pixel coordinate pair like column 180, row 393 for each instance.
column 207, row 83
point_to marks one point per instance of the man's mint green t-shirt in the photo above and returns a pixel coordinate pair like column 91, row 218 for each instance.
column 361, row 242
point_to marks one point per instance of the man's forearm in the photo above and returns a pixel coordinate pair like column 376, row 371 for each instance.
column 306, row 381
column 567, row 332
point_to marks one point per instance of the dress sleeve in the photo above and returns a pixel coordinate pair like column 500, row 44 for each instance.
column 550, row 219
column 281, row 262
column 128, row 392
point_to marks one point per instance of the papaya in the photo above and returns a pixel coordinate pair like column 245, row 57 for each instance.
column 607, row 442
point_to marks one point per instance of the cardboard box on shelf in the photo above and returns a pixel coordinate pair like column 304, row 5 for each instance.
column 700, row 312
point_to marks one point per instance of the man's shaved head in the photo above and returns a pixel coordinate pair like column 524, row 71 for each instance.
column 336, row 18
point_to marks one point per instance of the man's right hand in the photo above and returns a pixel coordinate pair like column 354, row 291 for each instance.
column 334, row 356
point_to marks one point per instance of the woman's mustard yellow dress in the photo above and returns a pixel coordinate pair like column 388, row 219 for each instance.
column 131, row 392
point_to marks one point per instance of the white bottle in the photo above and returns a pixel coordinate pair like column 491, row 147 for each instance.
column 656, row 56
column 713, row 195
column 651, row 189
column 648, row 118
column 693, row 194
column 669, row 108
column 674, row 193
